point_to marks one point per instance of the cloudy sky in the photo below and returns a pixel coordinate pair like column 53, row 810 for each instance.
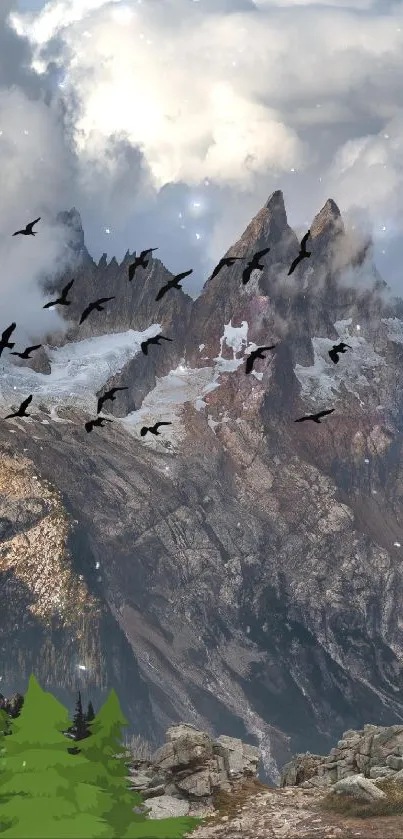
column 169, row 122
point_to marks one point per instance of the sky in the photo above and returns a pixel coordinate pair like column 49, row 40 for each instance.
column 169, row 122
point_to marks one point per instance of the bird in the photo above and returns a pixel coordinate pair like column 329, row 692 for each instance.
column 21, row 409
column 174, row 283
column 155, row 340
column 95, row 305
column 315, row 417
column 336, row 349
column 98, row 421
column 256, row 354
column 253, row 264
column 226, row 261
column 153, row 428
column 26, row 353
column 4, row 342
column 109, row 394
column 302, row 252
column 62, row 300
column 28, row 230
column 139, row 262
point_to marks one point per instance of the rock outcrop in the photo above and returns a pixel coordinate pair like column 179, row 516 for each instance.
column 372, row 752
column 189, row 768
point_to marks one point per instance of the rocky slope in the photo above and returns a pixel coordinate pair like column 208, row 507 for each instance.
column 240, row 572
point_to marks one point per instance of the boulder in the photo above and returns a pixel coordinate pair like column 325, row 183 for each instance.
column 301, row 768
column 358, row 787
column 166, row 807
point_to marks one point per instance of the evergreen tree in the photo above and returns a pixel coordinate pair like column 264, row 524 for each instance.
column 105, row 747
column 41, row 791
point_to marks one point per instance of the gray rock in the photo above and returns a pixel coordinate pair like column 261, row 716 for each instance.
column 358, row 787
column 380, row 772
column 166, row 806
column 395, row 762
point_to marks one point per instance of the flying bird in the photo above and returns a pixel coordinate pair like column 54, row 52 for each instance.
column 62, row 300
column 21, row 409
column 28, row 231
column 174, row 283
column 253, row 264
column 226, row 261
column 109, row 394
column 336, row 349
column 155, row 340
column 98, row 421
column 95, row 305
column 26, row 353
column 256, row 354
column 4, row 342
column 302, row 253
column 315, row 417
column 153, row 428
column 139, row 262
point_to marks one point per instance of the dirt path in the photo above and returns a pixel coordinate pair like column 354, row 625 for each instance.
column 293, row 813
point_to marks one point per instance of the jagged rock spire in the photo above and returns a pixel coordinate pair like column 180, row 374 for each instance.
column 270, row 223
column 328, row 220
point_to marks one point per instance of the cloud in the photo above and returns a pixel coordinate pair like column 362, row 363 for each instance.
column 253, row 96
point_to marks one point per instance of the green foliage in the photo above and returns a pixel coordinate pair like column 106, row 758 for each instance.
column 107, row 769
column 40, row 793
column 48, row 793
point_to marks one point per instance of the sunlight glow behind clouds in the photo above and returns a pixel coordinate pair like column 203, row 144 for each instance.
column 292, row 95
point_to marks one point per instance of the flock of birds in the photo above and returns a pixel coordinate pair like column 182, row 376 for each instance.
column 142, row 261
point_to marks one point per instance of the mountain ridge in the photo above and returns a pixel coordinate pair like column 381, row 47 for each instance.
column 249, row 577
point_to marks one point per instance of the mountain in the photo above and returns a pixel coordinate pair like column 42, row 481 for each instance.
column 239, row 572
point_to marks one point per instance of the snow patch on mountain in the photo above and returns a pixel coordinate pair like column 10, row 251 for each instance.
column 356, row 369
column 78, row 371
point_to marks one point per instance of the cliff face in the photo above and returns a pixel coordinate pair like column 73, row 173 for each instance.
column 249, row 573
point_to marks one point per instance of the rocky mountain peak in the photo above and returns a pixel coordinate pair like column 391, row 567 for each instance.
column 268, row 226
column 328, row 220
column 71, row 221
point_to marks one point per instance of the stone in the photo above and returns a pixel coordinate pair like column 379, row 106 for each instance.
column 358, row 787
column 394, row 761
column 380, row 772
column 166, row 807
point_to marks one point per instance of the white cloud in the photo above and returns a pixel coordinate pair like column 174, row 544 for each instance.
column 296, row 95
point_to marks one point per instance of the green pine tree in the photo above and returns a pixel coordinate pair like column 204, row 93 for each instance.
column 41, row 791
column 105, row 747
column 90, row 713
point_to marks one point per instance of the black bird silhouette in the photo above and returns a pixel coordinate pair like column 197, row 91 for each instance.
column 337, row 348
column 109, row 394
column 98, row 421
column 26, row 353
column 226, row 261
column 153, row 428
column 4, row 342
column 95, row 305
column 302, row 252
column 174, row 283
column 140, row 262
column 62, row 300
column 21, row 409
column 256, row 354
column 315, row 417
column 28, row 230
column 155, row 340
column 253, row 264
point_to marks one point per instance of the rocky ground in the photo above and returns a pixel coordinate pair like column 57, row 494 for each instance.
column 291, row 813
